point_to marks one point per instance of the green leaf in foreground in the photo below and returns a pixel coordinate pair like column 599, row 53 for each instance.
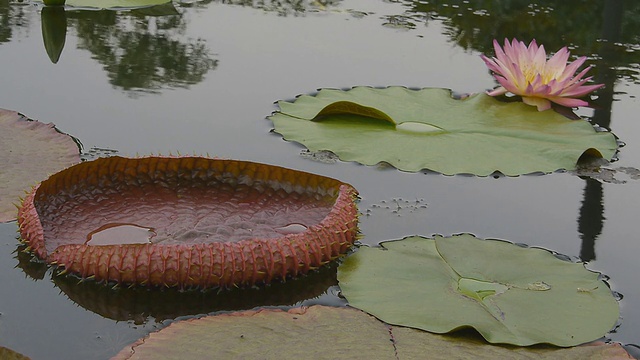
column 509, row 294
column 321, row 332
column 428, row 129
column 30, row 151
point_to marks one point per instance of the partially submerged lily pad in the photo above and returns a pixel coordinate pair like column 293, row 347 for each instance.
column 322, row 332
column 188, row 221
column 509, row 294
column 428, row 129
column 29, row 151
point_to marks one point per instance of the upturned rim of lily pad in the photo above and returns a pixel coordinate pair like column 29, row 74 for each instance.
column 245, row 262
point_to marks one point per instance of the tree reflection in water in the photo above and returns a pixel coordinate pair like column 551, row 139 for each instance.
column 143, row 50
column 12, row 17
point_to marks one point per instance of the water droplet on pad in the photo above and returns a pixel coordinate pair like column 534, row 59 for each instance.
column 292, row 229
column 117, row 234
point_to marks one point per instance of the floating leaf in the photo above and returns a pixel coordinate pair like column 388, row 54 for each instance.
column 510, row 294
column 428, row 129
column 323, row 332
column 29, row 152
column 188, row 221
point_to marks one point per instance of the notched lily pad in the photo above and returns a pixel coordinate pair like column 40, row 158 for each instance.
column 29, row 152
column 509, row 294
column 429, row 129
column 328, row 333
column 188, row 221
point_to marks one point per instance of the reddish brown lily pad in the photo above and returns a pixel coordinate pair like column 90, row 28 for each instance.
column 29, row 152
column 322, row 332
column 188, row 221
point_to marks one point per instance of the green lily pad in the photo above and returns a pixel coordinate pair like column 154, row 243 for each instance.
column 30, row 151
column 509, row 294
column 428, row 129
column 322, row 332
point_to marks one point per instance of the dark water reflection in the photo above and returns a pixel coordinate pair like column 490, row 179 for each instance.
column 144, row 304
column 12, row 17
column 141, row 50
column 586, row 26
column 591, row 218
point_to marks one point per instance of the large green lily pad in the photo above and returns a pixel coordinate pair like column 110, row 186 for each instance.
column 509, row 294
column 322, row 332
column 428, row 129
column 30, row 151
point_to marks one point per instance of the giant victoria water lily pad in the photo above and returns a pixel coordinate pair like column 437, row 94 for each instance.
column 510, row 294
column 428, row 129
column 322, row 332
column 29, row 151
column 188, row 221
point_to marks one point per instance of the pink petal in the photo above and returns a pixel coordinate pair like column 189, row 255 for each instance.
column 568, row 102
column 509, row 85
column 540, row 57
column 571, row 69
column 491, row 64
column 509, row 70
column 582, row 90
column 533, row 47
column 558, row 62
column 537, row 86
column 540, row 103
column 500, row 54
column 497, row 91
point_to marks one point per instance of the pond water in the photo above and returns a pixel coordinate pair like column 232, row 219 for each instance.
column 200, row 77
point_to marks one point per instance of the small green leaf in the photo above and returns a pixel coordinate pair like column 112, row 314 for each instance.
column 510, row 294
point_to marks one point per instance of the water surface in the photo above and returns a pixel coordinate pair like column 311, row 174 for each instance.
column 201, row 77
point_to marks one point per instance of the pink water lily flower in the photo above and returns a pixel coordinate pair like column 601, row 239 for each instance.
column 524, row 70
